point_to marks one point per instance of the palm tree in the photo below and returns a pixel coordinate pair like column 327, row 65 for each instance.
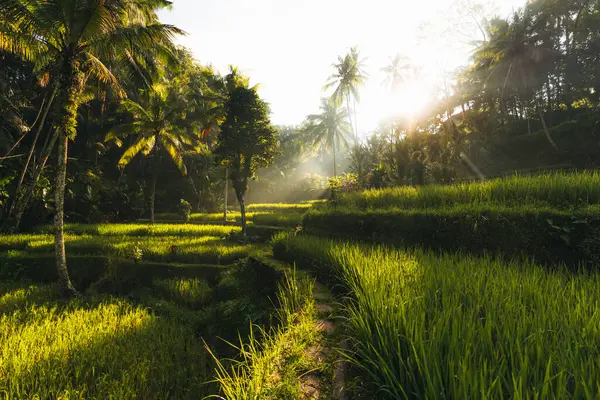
column 73, row 40
column 159, row 125
column 330, row 128
column 398, row 72
column 516, row 57
column 348, row 78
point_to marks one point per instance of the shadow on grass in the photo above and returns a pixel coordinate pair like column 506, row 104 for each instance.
column 101, row 349
column 202, row 250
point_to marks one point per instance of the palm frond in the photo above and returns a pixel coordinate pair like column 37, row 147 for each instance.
column 143, row 144
column 173, row 148
column 96, row 68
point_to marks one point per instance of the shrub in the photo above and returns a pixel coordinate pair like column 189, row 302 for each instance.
column 185, row 210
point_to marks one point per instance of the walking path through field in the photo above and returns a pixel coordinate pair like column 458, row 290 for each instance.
column 327, row 383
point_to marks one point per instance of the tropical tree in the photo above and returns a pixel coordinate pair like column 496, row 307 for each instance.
column 516, row 57
column 348, row 78
column 73, row 41
column 160, row 127
column 247, row 139
column 398, row 72
column 330, row 129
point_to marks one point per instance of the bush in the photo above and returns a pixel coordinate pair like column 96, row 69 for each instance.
column 343, row 184
column 185, row 210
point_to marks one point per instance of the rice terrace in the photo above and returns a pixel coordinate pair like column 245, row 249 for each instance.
column 200, row 200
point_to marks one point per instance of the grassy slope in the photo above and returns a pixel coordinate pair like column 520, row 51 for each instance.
column 557, row 191
column 143, row 340
column 454, row 326
column 552, row 217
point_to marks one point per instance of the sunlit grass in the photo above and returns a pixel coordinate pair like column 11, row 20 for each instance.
column 556, row 190
column 192, row 292
column 185, row 248
column 280, row 207
column 232, row 216
column 104, row 348
column 145, row 229
column 287, row 220
column 271, row 364
column 455, row 326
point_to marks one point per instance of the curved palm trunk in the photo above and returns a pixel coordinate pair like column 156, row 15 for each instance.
column 334, row 162
column 349, row 111
column 22, row 195
column 28, row 192
column 544, row 126
column 546, row 131
column 66, row 287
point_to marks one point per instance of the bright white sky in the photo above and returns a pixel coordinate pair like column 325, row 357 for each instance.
column 288, row 46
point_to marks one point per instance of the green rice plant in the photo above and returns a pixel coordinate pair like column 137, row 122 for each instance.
column 145, row 230
column 288, row 219
column 232, row 216
column 455, row 326
column 555, row 190
column 183, row 249
column 549, row 235
column 192, row 292
column 97, row 348
column 280, row 207
column 271, row 363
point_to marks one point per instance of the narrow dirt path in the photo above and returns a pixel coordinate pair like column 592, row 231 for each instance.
column 329, row 385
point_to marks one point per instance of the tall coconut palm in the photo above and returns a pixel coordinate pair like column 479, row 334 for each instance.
column 74, row 40
column 516, row 57
column 330, row 128
column 398, row 72
column 348, row 78
column 160, row 127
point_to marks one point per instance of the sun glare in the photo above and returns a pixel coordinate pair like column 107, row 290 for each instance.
column 410, row 102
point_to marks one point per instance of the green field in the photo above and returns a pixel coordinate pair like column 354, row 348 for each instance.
column 557, row 190
column 552, row 217
column 160, row 305
column 433, row 300
column 454, row 326
column 151, row 293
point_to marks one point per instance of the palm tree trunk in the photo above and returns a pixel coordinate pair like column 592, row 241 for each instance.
column 16, row 204
column 334, row 162
column 153, row 189
column 546, row 131
column 66, row 127
column 23, row 202
column 64, row 282
column 349, row 110
column 355, row 120
column 197, row 192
